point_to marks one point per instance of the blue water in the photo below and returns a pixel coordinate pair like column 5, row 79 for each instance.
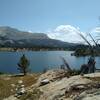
column 39, row 60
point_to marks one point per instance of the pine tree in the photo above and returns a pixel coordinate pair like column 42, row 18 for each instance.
column 23, row 64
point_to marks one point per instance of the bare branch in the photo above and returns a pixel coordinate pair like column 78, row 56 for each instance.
column 66, row 64
column 93, row 39
column 85, row 39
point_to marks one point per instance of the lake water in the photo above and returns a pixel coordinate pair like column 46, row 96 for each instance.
column 39, row 60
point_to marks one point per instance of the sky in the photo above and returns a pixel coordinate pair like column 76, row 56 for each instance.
column 59, row 19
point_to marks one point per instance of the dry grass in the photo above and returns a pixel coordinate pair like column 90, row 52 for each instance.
column 6, row 89
column 94, row 79
column 33, row 95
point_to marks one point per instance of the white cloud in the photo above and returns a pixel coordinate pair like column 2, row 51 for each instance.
column 96, row 30
column 29, row 31
column 66, row 33
column 96, row 33
column 66, row 29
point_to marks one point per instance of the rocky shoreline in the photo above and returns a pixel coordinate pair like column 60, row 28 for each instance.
column 58, row 85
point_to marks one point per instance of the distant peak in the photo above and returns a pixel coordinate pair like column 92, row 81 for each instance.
column 15, row 34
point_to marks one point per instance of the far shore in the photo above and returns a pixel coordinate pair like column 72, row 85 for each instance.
column 14, row 49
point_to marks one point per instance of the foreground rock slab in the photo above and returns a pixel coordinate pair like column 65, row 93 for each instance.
column 61, row 87
column 56, row 90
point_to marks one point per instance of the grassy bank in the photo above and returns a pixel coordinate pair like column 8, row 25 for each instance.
column 8, row 83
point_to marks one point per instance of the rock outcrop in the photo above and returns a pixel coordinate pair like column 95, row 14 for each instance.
column 60, row 87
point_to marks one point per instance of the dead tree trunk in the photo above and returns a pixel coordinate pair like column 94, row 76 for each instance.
column 66, row 64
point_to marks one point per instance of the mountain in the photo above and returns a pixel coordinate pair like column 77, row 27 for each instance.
column 11, row 37
column 15, row 34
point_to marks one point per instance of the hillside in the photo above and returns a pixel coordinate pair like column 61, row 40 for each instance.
column 11, row 37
